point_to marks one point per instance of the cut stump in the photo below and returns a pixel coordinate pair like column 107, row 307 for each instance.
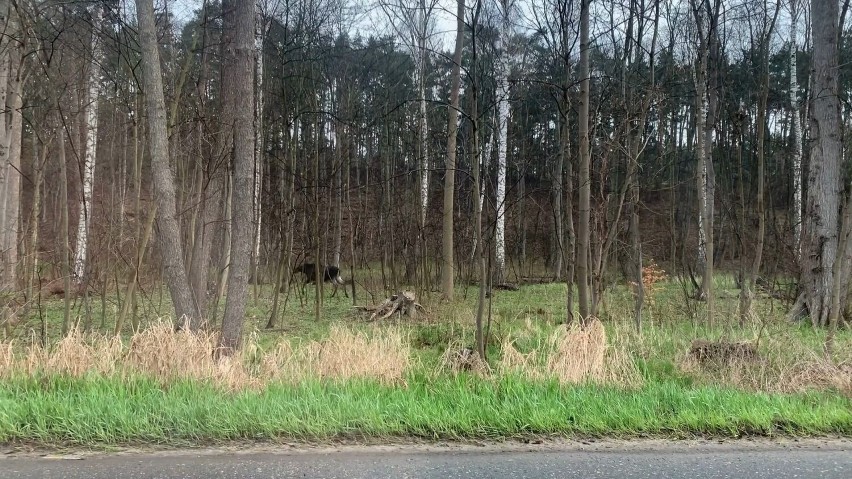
column 402, row 303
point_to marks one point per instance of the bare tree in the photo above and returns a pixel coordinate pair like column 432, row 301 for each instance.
column 11, row 76
column 797, row 130
column 507, row 8
column 91, row 126
column 767, row 24
column 706, row 17
column 821, row 222
column 168, row 231
column 238, row 107
column 413, row 23
column 447, row 269
column 583, row 236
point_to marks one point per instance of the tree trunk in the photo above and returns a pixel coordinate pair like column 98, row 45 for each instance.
column 502, row 137
column 207, row 192
column 558, row 236
column 797, row 133
column 91, row 128
column 168, row 231
column 64, row 247
column 820, row 231
column 257, row 215
column 447, row 270
column 748, row 283
column 10, row 148
column 583, row 227
column 238, row 33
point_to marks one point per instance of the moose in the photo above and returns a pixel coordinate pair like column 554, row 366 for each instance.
column 330, row 274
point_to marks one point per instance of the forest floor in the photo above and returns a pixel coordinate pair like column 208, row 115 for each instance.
column 346, row 378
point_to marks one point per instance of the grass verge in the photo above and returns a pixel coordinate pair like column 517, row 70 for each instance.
column 102, row 411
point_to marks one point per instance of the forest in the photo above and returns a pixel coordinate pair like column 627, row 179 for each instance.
column 378, row 220
column 211, row 148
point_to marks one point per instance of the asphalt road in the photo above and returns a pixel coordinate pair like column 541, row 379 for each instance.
column 703, row 461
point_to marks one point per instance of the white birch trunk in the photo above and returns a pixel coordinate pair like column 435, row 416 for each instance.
column 700, row 150
column 90, row 158
column 421, row 28
column 797, row 133
column 502, row 137
column 424, row 144
column 258, row 138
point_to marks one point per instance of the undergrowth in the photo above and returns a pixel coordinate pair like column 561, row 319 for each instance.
column 349, row 378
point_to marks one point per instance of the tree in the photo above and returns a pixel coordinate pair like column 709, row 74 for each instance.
column 766, row 26
column 413, row 22
column 91, row 122
column 821, row 223
column 238, row 110
column 507, row 8
column 447, row 270
column 585, row 190
column 797, row 130
column 706, row 17
column 11, row 71
column 168, row 231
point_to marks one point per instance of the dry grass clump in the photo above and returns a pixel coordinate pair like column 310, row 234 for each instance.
column 344, row 354
column 74, row 355
column 820, row 373
column 167, row 355
column 572, row 354
column 779, row 365
column 7, row 358
column 722, row 351
column 458, row 358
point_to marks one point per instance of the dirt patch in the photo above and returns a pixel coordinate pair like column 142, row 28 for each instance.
column 416, row 446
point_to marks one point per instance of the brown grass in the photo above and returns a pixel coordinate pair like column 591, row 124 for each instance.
column 344, row 354
column 74, row 355
column 7, row 357
column 167, row 355
column 780, row 365
column 572, row 354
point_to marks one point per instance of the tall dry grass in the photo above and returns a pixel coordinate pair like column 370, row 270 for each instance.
column 573, row 354
column 167, row 355
column 384, row 356
column 782, row 365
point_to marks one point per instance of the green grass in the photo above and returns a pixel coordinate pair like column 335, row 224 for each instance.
column 108, row 411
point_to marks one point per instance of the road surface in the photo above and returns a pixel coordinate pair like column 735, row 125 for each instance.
column 626, row 460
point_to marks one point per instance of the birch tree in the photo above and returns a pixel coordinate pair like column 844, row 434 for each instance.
column 796, row 130
column 502, row 77
column 706, row 18
column 264, row 13
column 413, row 23
column 90, row 115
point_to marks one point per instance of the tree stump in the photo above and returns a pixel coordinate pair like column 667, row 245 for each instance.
column 402, row 303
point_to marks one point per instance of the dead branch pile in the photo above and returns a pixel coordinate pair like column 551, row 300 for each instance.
column 721, row 352
column 402, row 303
